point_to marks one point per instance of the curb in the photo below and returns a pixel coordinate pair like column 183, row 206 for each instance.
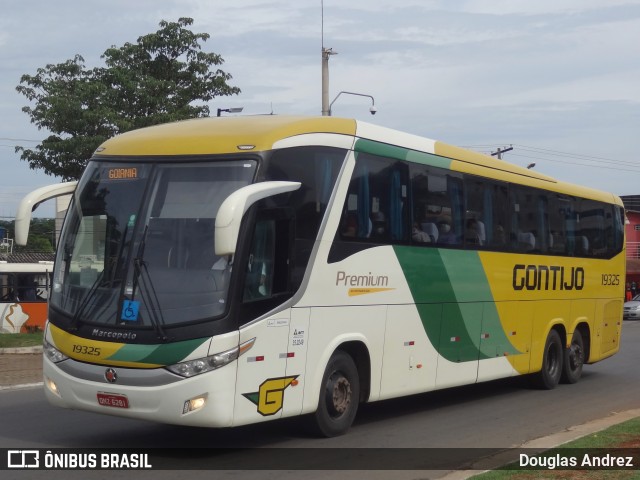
column 545, row 443
column 21, row 350
column 4, row 388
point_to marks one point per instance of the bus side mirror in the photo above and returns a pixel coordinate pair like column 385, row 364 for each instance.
column 235, row 206
column 31, row 201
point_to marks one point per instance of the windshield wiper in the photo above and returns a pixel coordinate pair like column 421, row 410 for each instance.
column 151, row 301
column 85, row 301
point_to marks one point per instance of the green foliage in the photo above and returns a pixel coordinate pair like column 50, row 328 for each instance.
column 41, row 235
column 36, row 243
column 159, row 79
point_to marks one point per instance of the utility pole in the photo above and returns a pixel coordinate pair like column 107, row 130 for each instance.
column 500, row 151
column 326, row 53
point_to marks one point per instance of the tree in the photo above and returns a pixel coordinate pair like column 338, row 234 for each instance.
column 41, row 235
column 163, row 77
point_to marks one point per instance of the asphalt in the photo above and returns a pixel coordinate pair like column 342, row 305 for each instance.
column 22, row 368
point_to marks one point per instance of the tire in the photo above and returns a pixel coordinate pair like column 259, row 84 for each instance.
column 552, row 361
column 573, row 359
column 339, row 396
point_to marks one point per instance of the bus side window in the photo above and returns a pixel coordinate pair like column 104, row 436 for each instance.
column 7, row 291
column 27, row 287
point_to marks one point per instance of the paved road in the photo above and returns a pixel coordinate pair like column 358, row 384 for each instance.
column 497, row 414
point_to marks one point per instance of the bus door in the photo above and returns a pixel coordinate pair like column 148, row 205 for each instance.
column 262, row 373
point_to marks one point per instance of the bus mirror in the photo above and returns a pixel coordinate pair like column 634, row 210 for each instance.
column 31, row 201
column 234, row 207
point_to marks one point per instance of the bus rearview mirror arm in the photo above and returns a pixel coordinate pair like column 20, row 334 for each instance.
column 31, row 201
column 235, row 206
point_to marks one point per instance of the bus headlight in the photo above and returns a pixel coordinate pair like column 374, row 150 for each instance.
column 52, row 353
column 195, row 367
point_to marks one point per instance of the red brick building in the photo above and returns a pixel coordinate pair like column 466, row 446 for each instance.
column 632, row 231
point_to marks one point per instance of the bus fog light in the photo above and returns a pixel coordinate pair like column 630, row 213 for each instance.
column 194, row 404
column 53, row 388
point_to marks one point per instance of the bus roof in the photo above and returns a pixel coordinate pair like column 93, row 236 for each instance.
column 220, row 135
column 217, row 135
column 40, row 267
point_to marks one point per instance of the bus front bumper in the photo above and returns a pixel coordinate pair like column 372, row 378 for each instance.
column 204, row 400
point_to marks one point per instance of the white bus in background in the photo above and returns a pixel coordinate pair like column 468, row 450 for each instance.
column 24, row 291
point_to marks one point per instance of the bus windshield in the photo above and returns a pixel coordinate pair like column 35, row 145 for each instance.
column 138, row 245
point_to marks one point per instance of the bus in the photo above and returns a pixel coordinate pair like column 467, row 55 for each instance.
column 24, row 290
column 226, row 271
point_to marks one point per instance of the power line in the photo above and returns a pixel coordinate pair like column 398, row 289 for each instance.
column 567, row 154
column 7, row 139
column 546, row 154
column 637, row 170
column 588, row 158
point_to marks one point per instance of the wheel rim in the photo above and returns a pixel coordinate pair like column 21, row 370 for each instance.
column 338, row 395
column 576, row 357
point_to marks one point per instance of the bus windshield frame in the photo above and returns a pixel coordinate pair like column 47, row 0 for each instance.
column 138, row 244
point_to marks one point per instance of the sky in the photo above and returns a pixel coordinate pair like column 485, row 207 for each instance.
column 559, row 80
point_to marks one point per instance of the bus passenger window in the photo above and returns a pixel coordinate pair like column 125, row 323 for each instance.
column 7, row 290
column 27, row 288
column 349, row 226
column 472, row 234
column 445, row 235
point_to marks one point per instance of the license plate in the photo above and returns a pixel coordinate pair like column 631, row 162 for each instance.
column 113, row 400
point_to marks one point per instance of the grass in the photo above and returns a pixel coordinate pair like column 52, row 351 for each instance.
column 625, row 435
column 14, row 340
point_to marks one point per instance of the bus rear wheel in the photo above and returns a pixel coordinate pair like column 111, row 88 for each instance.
column 552, row 362
column 573, row 359
column 339, row 396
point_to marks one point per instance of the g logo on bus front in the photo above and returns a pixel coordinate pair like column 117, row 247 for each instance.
column 270, row 398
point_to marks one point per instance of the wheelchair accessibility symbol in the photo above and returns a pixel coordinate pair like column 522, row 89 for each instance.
column 130, row 309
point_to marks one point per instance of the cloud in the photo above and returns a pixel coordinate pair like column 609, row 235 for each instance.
column 550, row 73
column 538, row 7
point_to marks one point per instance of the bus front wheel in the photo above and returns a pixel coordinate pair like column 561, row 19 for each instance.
column 339, row 396
column 552, row 361
column 573, row 359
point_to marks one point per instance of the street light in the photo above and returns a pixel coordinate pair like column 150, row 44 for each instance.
column 372, row 108
column 229, row 110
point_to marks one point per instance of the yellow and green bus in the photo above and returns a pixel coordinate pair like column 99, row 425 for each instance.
column 226, row 271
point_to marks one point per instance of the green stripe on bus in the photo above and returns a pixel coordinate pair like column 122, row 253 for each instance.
column 390, row 151
column 454, row 301
column 165, row 354
column 471, row 285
